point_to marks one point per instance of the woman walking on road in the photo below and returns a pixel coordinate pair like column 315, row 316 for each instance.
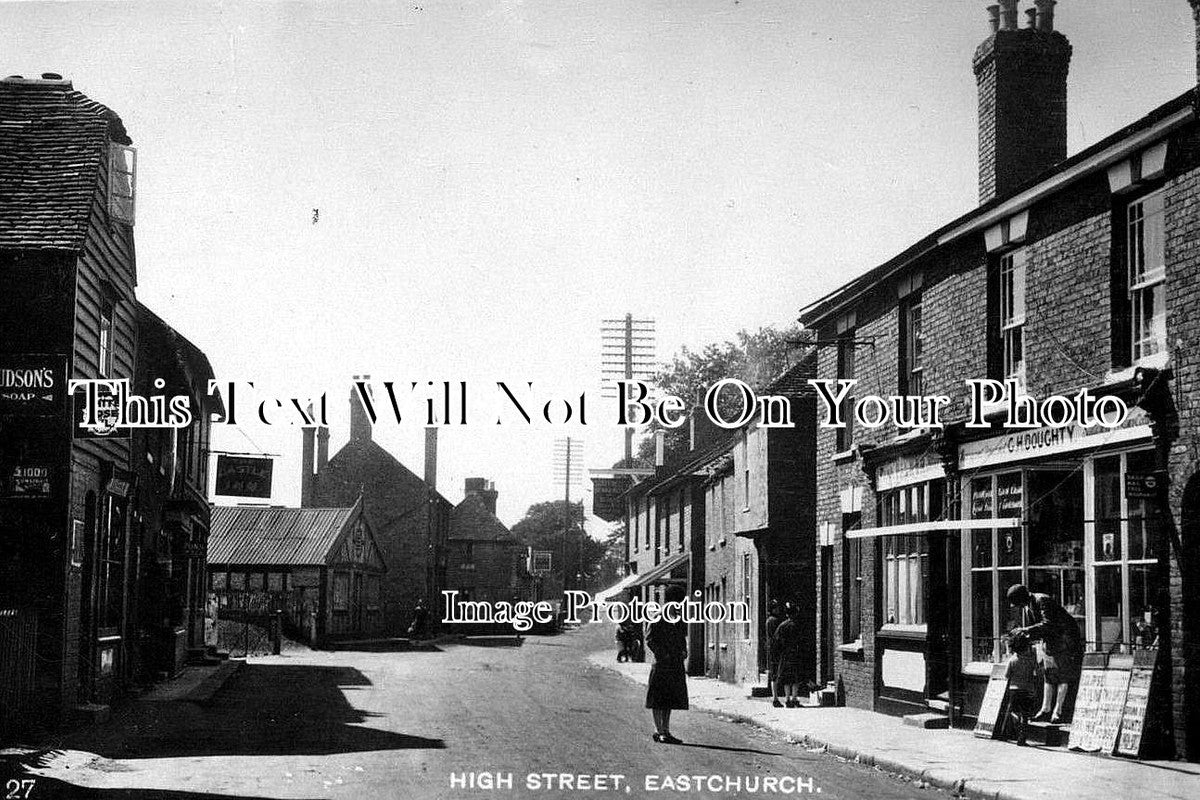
column 788, row 645
column 667, row 690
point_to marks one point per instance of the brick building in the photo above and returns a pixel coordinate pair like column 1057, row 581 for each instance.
column 1072, row 273
column 411, row 519
column 758, row 509
column 486, row 562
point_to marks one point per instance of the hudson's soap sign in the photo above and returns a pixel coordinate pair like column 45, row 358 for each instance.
column 32, row 385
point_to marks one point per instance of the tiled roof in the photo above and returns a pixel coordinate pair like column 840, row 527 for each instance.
column 52, row 139
column 470, row 520
column 291, row 536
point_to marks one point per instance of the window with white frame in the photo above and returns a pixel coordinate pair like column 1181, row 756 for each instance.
column 1012, row 313
column 911, row 368
column 122, row 181
column 853, row 577
column 903, row 559
column 105, row 343
column 1146, row 264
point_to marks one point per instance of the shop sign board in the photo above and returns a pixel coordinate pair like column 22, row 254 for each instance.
column 1141, row 486
column 1137, row 700
column 990, row 721
column 32, row 385
column 1020, row 444
column 28, row 481
column 606, row 497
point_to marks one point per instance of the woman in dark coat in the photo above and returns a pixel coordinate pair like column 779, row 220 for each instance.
column 788, row 647
column 1043, row 619
column 667, row 690
column 773, row 619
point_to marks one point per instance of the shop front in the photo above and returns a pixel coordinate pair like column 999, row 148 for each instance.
column 1084, row 530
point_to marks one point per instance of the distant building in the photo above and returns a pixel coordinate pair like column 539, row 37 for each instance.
column 321, row 566
column 411, row 519
column 486, row 562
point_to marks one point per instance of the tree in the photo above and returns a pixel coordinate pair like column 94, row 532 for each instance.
column 755, row 357
column 551, row 526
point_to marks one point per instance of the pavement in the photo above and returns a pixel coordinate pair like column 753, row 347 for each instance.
column 954, row 760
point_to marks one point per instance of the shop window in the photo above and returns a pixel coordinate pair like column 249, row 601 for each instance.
column 256, row 581
column 904, row 559
column 1145, row 262
column 341, row 591
column 274, row 581
column 237, row 581
column 372, row 592
column 219, row 581
column 110, row 586
column 852, row 579
column 1125, row 555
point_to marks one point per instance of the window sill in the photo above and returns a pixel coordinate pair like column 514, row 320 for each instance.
column 854, row 648
column 913, row 632
column 844, row 457
column 978, row 669
column 1157, row 361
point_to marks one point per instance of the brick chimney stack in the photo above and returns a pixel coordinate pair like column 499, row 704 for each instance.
column 1022, row 79
column 306, row 467
column 431, row 456
column 484, row 489
column 360, row 423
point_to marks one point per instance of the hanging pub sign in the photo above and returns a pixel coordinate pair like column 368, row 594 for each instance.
column 606, row 497
column 27, row 481
column 32, row 385
column 105, row 416
column 244, row 476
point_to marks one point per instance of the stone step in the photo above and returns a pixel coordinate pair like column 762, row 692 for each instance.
column 1046, row 734
column 930, row 720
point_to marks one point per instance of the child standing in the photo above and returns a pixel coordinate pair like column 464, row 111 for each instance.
column 1022, row 673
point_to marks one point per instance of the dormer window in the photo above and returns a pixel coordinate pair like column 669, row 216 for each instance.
column 122, row 180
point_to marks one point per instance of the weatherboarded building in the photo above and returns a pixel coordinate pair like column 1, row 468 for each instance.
column 320, row 566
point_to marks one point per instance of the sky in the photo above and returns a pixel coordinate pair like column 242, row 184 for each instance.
column 490, row 180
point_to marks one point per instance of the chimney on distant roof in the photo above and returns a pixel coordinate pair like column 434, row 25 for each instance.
column 360, row 423
column 1022, row 79
column 484, row 489
column 322, row 448
column 306, row 467
column 431, row 434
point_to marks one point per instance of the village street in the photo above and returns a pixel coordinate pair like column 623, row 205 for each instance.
column 363, row 725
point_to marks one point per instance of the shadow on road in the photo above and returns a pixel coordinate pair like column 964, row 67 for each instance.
column 266, row 709
column 729, row 749
column 491, row 641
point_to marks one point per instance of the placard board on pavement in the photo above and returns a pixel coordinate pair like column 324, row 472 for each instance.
column 991, row 712
column 1137, row 699
column 1087, row 702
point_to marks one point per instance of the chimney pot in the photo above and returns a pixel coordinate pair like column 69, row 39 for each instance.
column 431, row 434
column 1045, row 14
column 360, row 423
column 994, row 17
column 1008, row 15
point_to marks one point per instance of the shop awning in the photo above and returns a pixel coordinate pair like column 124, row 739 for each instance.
column 617, row 588
column 943, row 525
column 661, row 573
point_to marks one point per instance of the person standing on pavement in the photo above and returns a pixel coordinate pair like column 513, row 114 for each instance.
column 1043, row 619
column 667, row 689
column 420, row 621
column 1021, row 669
column 789, row 645
column 773, row 619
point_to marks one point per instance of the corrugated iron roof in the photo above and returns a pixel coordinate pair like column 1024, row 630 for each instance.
column 52, row 140
column 290, row 536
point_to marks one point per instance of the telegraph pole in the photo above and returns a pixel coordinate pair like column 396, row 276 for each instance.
column 568, row 464
column 627, row 352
